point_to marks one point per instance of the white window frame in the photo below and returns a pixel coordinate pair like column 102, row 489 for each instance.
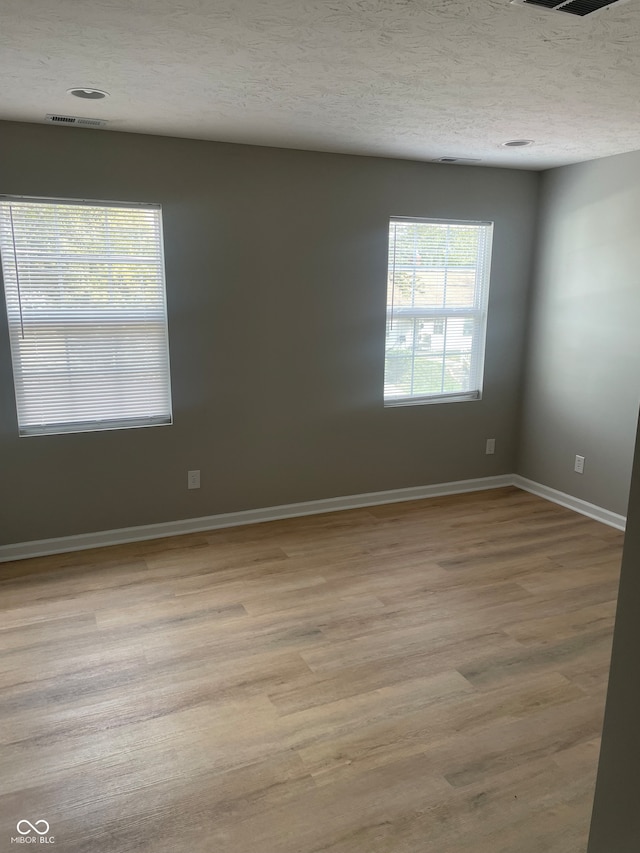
column 48, row 316
column 476, row 314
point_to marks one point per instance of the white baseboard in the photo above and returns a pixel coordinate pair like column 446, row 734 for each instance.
column 82, row 541
column 576, row 504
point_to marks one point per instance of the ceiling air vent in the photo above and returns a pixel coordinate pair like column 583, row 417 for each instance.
column 76, row 120
column 456, row 160
column 580, row 8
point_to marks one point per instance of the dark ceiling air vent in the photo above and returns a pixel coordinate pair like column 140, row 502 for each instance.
column 548, row 4
column 456, row 160
column 75, row 120
column 581, row 8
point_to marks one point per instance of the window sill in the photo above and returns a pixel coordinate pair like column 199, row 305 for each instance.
column 95, row 426
column 466, row 397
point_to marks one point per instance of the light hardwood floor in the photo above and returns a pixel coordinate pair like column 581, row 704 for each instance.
column 423, row 677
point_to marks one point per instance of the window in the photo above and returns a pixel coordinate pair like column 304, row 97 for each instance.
column 85, row 294
column 437, row 295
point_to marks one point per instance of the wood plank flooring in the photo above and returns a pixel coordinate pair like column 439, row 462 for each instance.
column 409, row 678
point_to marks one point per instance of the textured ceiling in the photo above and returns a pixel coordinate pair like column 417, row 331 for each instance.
column 417, row 79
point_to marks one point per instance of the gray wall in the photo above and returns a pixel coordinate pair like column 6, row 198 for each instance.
column 615, row 823
column 582, row 383
column 276, row 276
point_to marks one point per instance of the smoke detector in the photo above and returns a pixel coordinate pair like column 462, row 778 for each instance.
column 579, row 8
column 76, row 121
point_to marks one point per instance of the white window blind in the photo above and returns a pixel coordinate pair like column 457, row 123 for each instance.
column 437, row 296
column 85, row 294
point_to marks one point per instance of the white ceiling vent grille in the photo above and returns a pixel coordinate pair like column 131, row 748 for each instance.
column 579, row 8
column 75, row 120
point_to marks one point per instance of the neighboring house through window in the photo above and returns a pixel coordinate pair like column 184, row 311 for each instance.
column 85, row 294
column 437, row 296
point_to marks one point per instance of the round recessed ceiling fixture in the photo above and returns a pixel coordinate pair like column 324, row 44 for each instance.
column 88, row 93
column 518, row 143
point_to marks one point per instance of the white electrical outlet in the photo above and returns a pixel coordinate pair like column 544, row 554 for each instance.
column 193, row 479
column 491, row 446
column 579, row 465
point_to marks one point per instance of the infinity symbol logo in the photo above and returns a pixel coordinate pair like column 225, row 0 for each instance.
column 32, row 827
